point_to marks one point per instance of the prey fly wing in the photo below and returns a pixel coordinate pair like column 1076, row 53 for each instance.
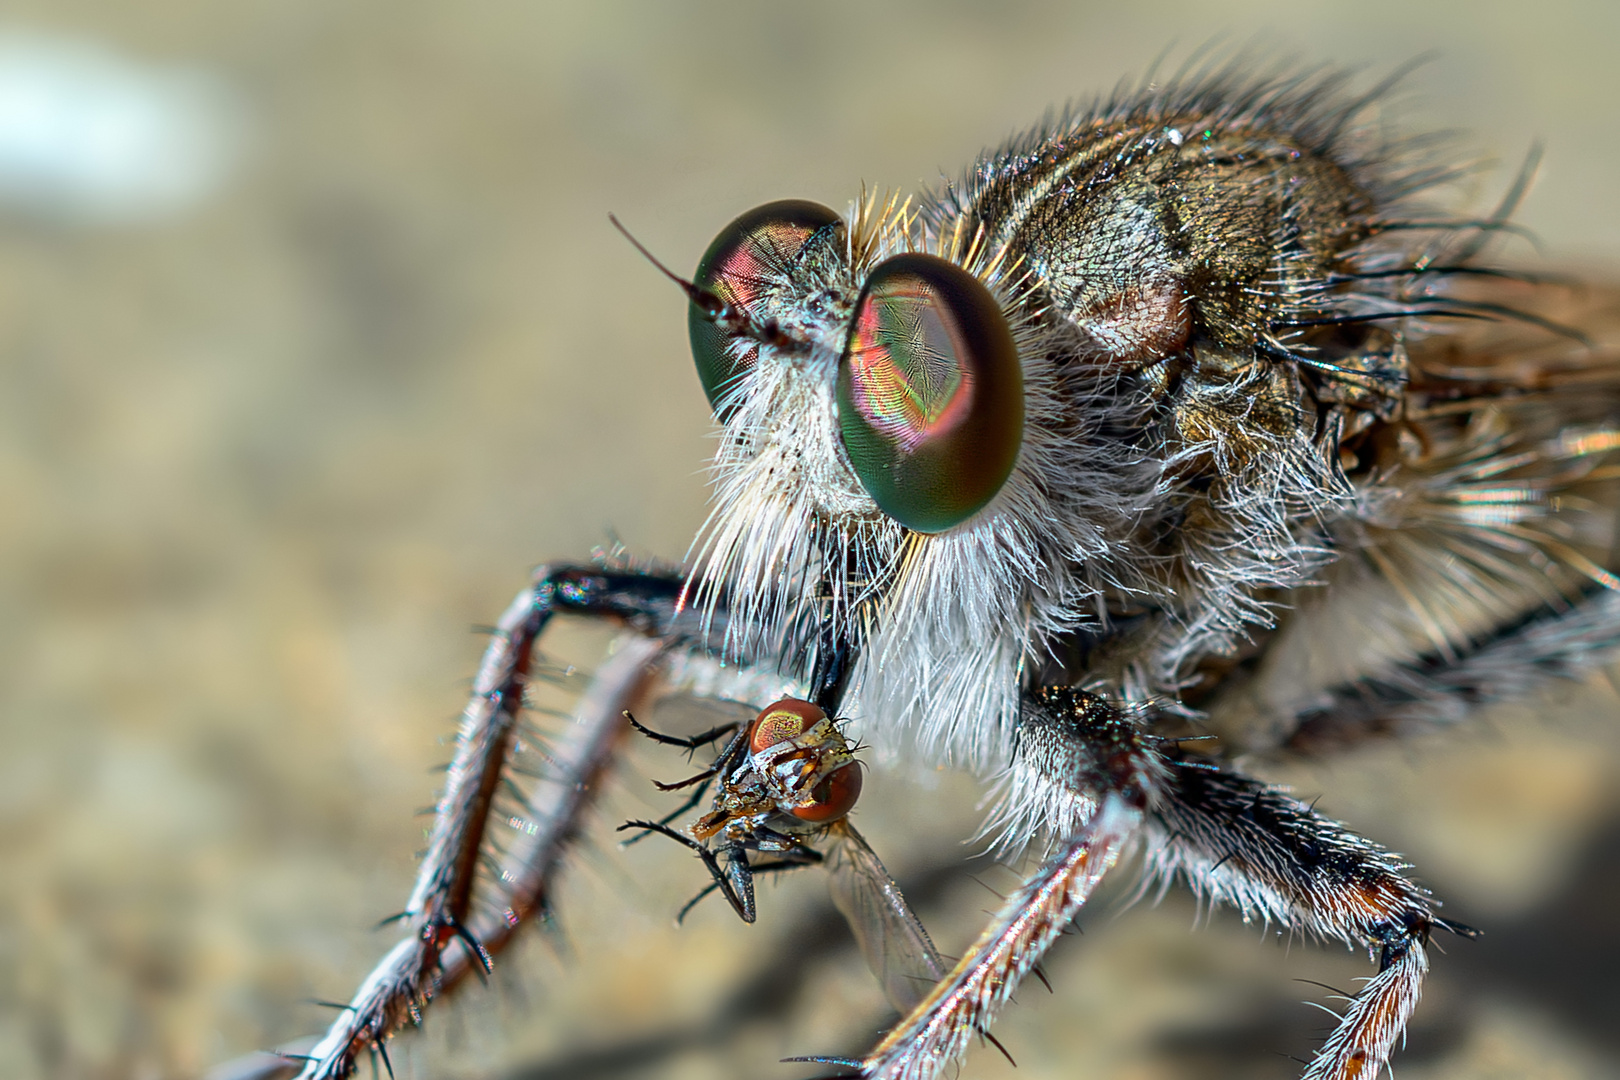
column 892, row 939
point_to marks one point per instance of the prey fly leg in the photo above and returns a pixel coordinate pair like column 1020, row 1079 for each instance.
column 699, row 784
column 730, row 867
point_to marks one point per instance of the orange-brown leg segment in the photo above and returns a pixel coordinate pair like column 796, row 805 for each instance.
column 1089, row 770
column 1248, row 844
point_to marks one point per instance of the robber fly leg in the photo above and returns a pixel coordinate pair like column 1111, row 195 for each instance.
column 440, row 909
column 644, row 600
column 1097, row 773
column 1276, row 710
column 1245, row 843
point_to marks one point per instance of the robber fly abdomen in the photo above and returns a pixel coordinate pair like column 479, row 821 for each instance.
column 1187, row 415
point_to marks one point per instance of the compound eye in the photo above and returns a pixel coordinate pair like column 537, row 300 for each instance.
column 786, row 719
column 748, row 255
column 833, row 797
column 930, row 393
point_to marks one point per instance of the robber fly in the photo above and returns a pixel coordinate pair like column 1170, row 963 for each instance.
column 1187, row 416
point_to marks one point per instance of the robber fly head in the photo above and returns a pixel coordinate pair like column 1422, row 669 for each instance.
column 1101, row 378
column 908, row 356
column 890, row 423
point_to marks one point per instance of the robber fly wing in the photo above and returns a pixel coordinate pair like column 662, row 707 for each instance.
column 897, row 948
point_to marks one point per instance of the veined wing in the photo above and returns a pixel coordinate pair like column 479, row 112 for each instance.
column 1481, row 559
column 897, row 948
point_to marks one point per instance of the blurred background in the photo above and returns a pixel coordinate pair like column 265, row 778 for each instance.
column 314, row 337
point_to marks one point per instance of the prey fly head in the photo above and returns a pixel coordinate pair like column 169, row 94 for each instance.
column 780, row 781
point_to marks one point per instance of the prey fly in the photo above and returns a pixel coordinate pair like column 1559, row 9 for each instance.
column 787, row 778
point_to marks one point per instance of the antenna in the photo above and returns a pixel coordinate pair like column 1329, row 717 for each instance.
column 727, row 317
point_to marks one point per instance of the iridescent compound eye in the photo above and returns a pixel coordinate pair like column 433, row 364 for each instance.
column 749, row 254
column 930, row 393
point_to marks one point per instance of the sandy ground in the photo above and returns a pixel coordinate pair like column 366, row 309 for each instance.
column 264, row 463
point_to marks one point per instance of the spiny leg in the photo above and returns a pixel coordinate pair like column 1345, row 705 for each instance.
column 700, row 779
column 1087, row 772
column 440, row 910
column 966, row 1002
column 1108, row 770
column 733, row 879
column 679, row 812
column 1513, row 662
column 707, row 738
column 1245, row 843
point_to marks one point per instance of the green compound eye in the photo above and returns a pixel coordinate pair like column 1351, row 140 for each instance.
column 749, row 254
column 930, row 393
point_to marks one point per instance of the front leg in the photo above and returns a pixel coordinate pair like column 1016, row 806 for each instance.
column 645, row 600
column 444, row 939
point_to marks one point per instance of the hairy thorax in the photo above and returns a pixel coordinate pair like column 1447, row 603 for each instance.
column 1184, row 286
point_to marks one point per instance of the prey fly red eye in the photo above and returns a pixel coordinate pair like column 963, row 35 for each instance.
column 786, row 719
column 834, row 797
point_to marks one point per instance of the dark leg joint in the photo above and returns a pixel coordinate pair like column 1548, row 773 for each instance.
column 1393, row 942
column 1395, row 938
column 645, row 599
column 485, row 963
